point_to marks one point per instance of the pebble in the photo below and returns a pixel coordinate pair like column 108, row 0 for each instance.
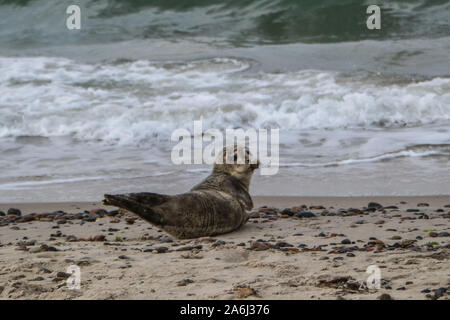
column 63, row 275
column 188, row 248
column 91, row 218
column 162, row 249
column 385, row 296
column 439, row 293
column 98, row 238
column 316, row 208
column 35, row 249
column 259, row 246
column 218, row 243
column 37, row 279
column 123, row 257
column 283, row 244
column 2, row 214
column 184, row 282
column 44, row 270
column 78, row 215
column 243, row 293
column 26, row 218
column 346, row 241
column 306, row 214
column 99, row 212
column 423, row 205
column 288, row 212
column 165, row 239
column 71, row 238
column 374, row 205
column 14, row 212
column 355, row 212
column 112, row 213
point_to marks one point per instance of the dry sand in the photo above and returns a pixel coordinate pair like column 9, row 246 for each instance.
column 412, row 250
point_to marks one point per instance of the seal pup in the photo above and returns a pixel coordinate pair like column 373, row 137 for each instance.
column 215, row 206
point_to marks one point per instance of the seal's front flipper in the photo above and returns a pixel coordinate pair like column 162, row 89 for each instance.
column 138, row 203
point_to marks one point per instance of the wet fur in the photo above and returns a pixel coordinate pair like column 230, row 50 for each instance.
column 216, row 205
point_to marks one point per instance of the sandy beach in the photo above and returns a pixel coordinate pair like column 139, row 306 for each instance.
column 345, row 105
column 317, row 248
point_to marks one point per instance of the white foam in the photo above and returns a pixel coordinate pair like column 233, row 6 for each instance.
column 33, row 184
column 387, row 156
column 134, row 102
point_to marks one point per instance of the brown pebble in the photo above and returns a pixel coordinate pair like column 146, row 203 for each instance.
column 259, row 245
column 63, row 275
column 100, row 212
column 243, row 293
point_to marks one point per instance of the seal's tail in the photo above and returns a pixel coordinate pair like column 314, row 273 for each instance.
column 139, row 203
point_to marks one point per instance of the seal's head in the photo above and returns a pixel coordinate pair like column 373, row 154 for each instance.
column 238, row 162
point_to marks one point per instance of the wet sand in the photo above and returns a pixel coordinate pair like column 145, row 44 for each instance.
column 319, row 248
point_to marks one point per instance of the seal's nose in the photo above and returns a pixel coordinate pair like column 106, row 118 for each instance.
column 254, row 166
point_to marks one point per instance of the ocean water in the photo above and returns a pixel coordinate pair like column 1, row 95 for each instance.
column 91, row 111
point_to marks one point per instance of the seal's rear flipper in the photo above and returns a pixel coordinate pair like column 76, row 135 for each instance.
column 138, row 203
